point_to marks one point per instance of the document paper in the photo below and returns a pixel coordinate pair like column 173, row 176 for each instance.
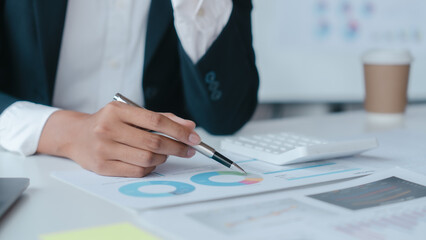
column 385, row 205
column 181, row 181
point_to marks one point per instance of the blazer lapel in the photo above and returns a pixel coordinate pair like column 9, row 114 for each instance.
column 50, row 20
column 159, row 18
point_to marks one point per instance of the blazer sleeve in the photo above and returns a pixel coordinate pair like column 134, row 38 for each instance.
column 220, row 91
column 7, row 94
column 5, row 99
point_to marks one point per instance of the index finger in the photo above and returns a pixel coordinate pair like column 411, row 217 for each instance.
column 147, row 119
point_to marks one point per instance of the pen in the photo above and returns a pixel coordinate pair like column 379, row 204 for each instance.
column 202, row 148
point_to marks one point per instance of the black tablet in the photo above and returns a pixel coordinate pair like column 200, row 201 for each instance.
column 10, row 190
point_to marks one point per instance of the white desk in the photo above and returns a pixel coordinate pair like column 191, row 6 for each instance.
column 51, row 206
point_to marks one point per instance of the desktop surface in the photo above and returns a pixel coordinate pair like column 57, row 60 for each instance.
column 49, row 205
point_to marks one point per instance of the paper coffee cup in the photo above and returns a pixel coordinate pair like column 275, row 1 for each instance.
column 383, row 121
column 386, row 74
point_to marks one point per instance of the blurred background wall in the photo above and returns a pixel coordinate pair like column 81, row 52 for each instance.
column 308, row 52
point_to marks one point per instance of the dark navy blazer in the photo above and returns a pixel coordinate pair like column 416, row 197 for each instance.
column 219, row 92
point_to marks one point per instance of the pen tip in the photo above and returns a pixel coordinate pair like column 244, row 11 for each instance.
column 239, row 168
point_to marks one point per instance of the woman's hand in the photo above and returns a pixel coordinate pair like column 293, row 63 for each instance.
column 112, row 141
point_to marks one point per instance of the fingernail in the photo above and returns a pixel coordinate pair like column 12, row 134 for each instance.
column 191, row 152
column 194, row 138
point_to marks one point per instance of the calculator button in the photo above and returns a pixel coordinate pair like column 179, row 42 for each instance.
column 247, row 140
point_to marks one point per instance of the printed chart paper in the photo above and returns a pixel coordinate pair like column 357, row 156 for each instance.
column 389, row 206
column 181, row 181
column 386, row 205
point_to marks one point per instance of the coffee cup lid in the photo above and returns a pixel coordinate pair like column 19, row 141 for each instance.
column 387, row 56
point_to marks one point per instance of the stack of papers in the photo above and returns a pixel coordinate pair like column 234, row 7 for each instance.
column 175, row 199
column 387, row 205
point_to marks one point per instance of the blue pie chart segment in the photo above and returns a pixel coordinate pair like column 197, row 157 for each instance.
column 204, row 179
column 136, row 189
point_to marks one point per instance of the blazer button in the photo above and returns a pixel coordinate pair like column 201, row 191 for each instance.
column 213, row 86
column 216, row 95
column 210, row 77
column 150, row 92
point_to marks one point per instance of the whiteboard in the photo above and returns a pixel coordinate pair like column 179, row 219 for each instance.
column 310, row 50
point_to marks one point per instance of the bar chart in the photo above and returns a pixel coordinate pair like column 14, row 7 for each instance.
column 409, row 222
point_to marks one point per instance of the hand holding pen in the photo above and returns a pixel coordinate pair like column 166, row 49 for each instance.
column 111, row 142
column 202, row 148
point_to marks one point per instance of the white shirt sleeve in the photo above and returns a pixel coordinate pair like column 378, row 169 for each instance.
column 199, row 22
column 21, row 125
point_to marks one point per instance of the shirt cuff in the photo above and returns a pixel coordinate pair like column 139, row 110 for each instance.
column 198, row 23
column 21, row 125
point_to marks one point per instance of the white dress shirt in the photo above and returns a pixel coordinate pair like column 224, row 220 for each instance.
column 102, row 53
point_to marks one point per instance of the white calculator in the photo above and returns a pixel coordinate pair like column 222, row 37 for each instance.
column 288, row 148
